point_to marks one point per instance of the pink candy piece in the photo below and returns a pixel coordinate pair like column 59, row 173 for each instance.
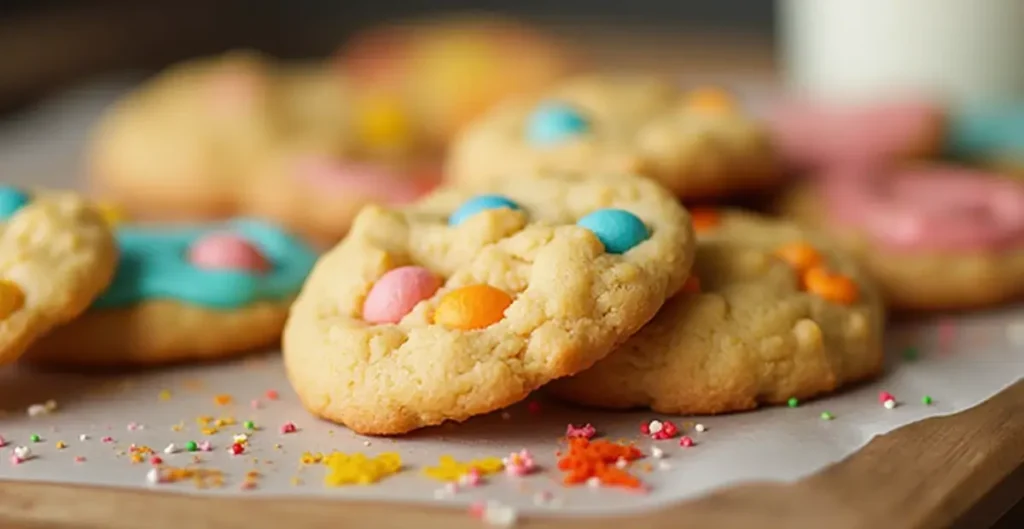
column 396, row 293
column 227, row 251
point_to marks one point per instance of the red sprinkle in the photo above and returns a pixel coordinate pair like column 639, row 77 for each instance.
column 685, row 441
column 155, row 460
column 288, row 427
column 79, row 459
column 669, row 428
column 645, row 428
column 237, row 448
column 586, row 431
column 476, row 510
column 107, row 439
column 271, row 394
column 884, row 396
column 533, row 407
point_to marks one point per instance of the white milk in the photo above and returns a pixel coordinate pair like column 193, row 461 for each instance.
column 963, row 51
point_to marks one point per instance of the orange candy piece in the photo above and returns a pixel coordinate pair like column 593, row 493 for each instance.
column 836, row 288
column 711, row 100
column 12, row 298
column 472, row 307
column 799, row 255
column 705, row 219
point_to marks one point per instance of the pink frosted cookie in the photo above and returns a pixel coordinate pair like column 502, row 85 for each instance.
column 935, row 236
column 813, row 136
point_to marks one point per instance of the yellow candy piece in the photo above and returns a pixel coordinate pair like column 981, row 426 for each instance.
column 383, row 123
column 357, row 469
column 112, row 213
column 448, row 469
column 12, row 298
column 472, row 307
column 711, row 100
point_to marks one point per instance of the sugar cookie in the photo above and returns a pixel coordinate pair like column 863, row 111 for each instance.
column 186, row 293
column 56, row 256
column 524, row 294
column 934, row 236
column 700, row 144
column 775, row 313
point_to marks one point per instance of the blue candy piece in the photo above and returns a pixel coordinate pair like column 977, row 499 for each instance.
column 553, row 123
column 12, row 199
column 477, row 204
column 980, row 133
column 617, row 229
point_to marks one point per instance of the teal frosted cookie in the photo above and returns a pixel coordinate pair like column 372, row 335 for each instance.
column 187, row 293
column 993, row 135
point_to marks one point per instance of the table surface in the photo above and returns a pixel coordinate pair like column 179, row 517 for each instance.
column 964, row 468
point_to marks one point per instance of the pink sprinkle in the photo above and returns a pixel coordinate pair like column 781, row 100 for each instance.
column 477, row 509
column 132, row 447
column 107, row 439
column 645, row 428
column 288, row 427
column 533, row 407
column 519, row 463
column 669, row 429
column 79, row 459
column 472, row 478
column 205, row 446
column 155, row 460
column 3, row 442
column 15, row 460
column 271, row 394
column 132, row 427
column 685, row 441
column 884, row 396
column 248, row 485
column 255, row 404
column 587, row 431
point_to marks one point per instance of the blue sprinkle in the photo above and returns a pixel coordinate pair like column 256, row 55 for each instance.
column 553, row 123
column 477, row 204
column 12, row 199
column 617, row 229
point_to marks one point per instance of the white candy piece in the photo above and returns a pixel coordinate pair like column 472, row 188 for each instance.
column 22, row 452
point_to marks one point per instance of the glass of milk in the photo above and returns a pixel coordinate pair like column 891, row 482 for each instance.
column 962, row 52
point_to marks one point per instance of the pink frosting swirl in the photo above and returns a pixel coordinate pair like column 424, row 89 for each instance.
column 945, row 208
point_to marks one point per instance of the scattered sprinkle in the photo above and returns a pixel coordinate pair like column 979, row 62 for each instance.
column 3, row 442
column 35, row 438
column 654, row 427
column 222, row 400
column 170, row 449
column 657, row 453
column 61, row 445
column 155, row 460
column 288, row 427
column 22, row 452
column 448, row 469
column 472, row 478
column 587, row 431
column 519, row 463
column 191, row 446
column 827, row 416
column 494, row 513
column 83, row 437
column 926, row 400
column 686, row 442
column 358, row 469
column 255, row 404
column 79, row 459
column 271, row 394
column 36, row 410
column 889, row 404
column 700, row 427
column 165, row 395
column 107, row 439
column 793, row 402
column 884, row 396
column 592, row 461
column 205, row 446
column 241, row 438
column 237, row 449
column 249, row 425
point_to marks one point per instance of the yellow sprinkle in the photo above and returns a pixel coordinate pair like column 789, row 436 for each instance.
column 252, row 474
column 203, row 420
column 12, row 298
column 311, row 458
column 277, row 446
column 711, row 101
column 136, row 458
column 357, row 469
column 296, row 481
column 61, row 445
column 448, row 469
column 209, row 431
column 222, row 400
column 165, row 395
column 225, row 421
column 111, row 213
column 178, row 427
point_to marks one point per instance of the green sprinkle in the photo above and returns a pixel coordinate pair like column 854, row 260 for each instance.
column 191, row 446
column 249, row 425
column 793, row 402
column 826, row 416
column 910, row 354
column 35, row 438
column 926, row 400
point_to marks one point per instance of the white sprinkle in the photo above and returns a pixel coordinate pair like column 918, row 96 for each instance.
column 241, row 438
column 170, row 449
column 22, row 452
column 664, row 465
column 889, row 404
column 594, row 482
column 36, row 410
column 542, row 498
column 700, row 427
column 366, row 443
column 657, row 453
column 500, row 515
column 83, row 437
column 441, row 493
column 621, row 462
column 655, row 427
column 153, row 476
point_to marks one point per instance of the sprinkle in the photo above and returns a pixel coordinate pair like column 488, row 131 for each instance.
column 255, row 404
column 542, row 498
column 36, row 410
column 271, row 394
column 889, row 404
column 241, row 438
column 657, row 453
column 367, row 443
column 165, row 395
column 288, row 427
column 664, row 465
column 533, row 407
column 205, row 446
column 222, row 400
column 519, row 464
column 700, row 427
column 107, row 439
column 884, row 396
column 926, row 400
column 827, row 416
column 61, row 445
column 153, row 476
column 249, row 425
column 155, row 460
column 686, row 442
column 793, row 402
column 591, row 461
column 191, row 446
column 3, row 442
column 910, row 354
column 132, row 427
column 669, row 429
column 621, row 462
column 35, row 438
column 83, row 437
column 22, row 452
column 654, row 426
column 79, row 459
column 587, row 431
column 237, row 449
column 593, row 482
column 15, row 460
column 357, row 469
column 645, row 428
column 499, row 515
column 448, row 469
column 170, row 449
column 471, row 478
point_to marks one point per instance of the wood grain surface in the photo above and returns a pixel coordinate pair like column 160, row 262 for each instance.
column 926, row 475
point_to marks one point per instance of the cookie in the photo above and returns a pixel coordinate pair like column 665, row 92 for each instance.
column 934, row 236
column 239, row 135
column 200, row 292
column 698, row 143
column 813, row 136
column 56, row 256
column 772, row 312
column 449, row 70
column 465, row 302
column 992, row 136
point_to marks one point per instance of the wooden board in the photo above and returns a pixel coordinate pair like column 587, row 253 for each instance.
column 926, row 475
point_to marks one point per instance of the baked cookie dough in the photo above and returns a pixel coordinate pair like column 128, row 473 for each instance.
column 465, row 302
column 771, row 312
column 56, row 256
column 201, row 292
column 241, row 135
column 935, row 237
column 698, row 143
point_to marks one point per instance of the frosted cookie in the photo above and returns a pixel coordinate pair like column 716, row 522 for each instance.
column 817, row 135
column 934, row 236
column 56, row 256
column 240, row 135
column 992, row 136
column 771, row 312
column 464, row 303
column 186, row 293
column 449, row 70
column 699, row 143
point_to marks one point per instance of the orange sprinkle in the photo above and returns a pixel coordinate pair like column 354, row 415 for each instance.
column 705, row 219
column 800, row 255
column 836, row 288
column 692, row 285
column 222, row 400
column 588, row 459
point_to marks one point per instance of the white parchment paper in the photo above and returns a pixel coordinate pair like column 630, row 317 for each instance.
column 959, row 363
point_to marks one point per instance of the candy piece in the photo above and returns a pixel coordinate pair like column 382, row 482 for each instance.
column 832, row 287
column 382, row 122
column 396, row 293
column 618, row 230
column 553, row 123
column 800, row 255
column 472, row 307
column 11, row 200
column 710, row 101
column 477, row 204
column 705, row 219
column 12, row 298
column 220, row 251
column 111, row 213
